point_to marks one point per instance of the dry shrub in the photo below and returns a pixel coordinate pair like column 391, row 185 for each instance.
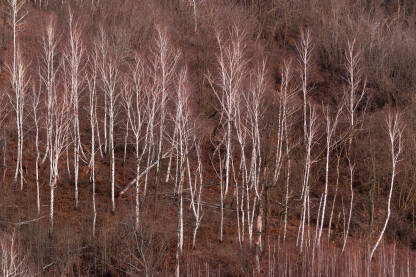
column 13, row 258
column 144, row 251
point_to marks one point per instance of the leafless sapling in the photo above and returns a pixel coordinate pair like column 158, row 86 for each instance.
column 395, row 131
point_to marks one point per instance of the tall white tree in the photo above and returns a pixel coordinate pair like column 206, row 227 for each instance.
column 18, row 80
column 394, row 131
column 109, row 76
column 164, row 59
column 347, row 223
column 304, row 49
column 241, row 176
column 74, row 56
column 17, row 15
column 311, row 136
column 356, row 87
column 353, row 97
column 330, row 130
column 232, row 68
column 92, row 88
column 17, row 100
column 254, row 102
column 60, row 119
column 182, row 122
column 135, row 101
column 195, row 189
column 36, row 93
column 286, row 110
column 48, row 72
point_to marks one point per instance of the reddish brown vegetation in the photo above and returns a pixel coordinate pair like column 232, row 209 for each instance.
column 267, row 223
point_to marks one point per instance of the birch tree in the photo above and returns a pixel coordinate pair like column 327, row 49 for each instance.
column 135, row 101
column 18, row 82
column 195, row 189
column 351, row 168
column 356, row 87
column 47, row 71
column 151, row 111
column 352, row 99
column 17, row 101
column 232, row 67
column 61, row 122
column 304, row 49
column 35, row 108
column 74, row 56
column 195, row 4
column 92, row 88
column 395, row 131
column 164, row 61
column 182, row 123
column 17, row 15
column 241, row 179
column 109, row 76
column 254, row 102
column 312, row 130
column 286, row 94
column 330, row 130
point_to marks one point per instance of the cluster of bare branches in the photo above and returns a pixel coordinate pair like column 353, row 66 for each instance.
column 150, row 92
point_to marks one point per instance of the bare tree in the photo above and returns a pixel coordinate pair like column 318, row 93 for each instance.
column 12, row 261
column 286, row 93
column 242, row 178
column 17, row 15
column 47, row 72
column 195, row 4
column 61, row 121
column 312, row 130
column 135, row 101
column 18, row 79
column 184, row 128
column 109, row 74
column 304, row 48
column 151, row 111
column 394, row 130
column 254, row 102
column 353, row 97
column 19, row 84
column 58, row 118
column 347, row 224
column 220, row 175
column 35, row 108
column 330, row 130
column 74, row 56
column 232, row 67
column 92, row 88
column 164, row 61
column 195, row 190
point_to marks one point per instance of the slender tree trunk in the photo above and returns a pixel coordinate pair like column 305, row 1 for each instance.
column 111, row 145
column 395, row 132
column 52, row 199
column 37, row 162
column 351, row 204
column 137, row 185
column 335, row 198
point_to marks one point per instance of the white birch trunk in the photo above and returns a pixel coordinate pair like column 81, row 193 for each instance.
column 395, row 131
